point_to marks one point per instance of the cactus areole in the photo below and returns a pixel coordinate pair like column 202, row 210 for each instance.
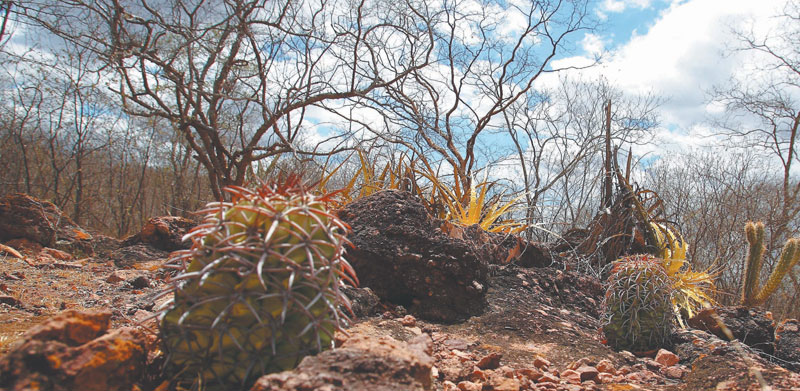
column 259, row 288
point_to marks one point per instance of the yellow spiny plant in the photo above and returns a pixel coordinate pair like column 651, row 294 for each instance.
column 790, row 255
column 478, row 210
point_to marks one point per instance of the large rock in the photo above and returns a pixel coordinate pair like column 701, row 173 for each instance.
column 787, row 343
column 164, row 233
column 362, row 363
column 74, row 351
column 401, row 253
column 753, row 327
column 126, row 257
column 25, row 217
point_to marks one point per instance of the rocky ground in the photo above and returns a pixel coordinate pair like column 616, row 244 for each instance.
column 461, row 313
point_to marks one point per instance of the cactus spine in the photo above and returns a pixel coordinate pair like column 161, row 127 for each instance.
column 751, row 295
column 259, row 288
column 638, row 304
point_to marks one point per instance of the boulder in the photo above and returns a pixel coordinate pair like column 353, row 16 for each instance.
column 164, row 233
column 401, row 253
column 787, row 344
column 754, row 327
column 26, row 217
column 361, row 363
column 126, row 257
column 64, row 354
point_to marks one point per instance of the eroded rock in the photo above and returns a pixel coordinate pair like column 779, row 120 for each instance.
column 362, row 363
column 26, row 217
column 65, row 353
column 402, row 254
column 754, row 327
column 164, row 233
column 128, row 256
column 787, row 343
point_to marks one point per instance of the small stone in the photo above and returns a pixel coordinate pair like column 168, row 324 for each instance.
column 469, row 386
column 10, row 300
column 628, row 356
column 652, row 365
column 531, row 373
column 605, row 366
column 541, row 363
column 477, row 375
column 577, row 364
column 587, row 372
column 490, row 361
column 408, row 321
column 502, row 384
column 548, row 378
column 673, row 372
column 571, row 376
column 604, row 378
column 140, row 282
column 624, row 370
column 56, row 254
column 506, row 371
column 449, row 386
column 666, row 358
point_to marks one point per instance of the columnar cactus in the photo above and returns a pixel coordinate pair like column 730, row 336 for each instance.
column 637, row 305
column 751, row 295
column 259, row 288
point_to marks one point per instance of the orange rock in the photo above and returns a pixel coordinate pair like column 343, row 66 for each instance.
column 605, row 366
column 72, row 327
column 490, row 361
column 666, row 358
column 571, row 376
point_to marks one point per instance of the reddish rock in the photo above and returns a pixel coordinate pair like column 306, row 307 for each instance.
column 55, row 358
column 469, row 386
column 490, row 361
column 408, row 321
column 449, row 386
column 571, row 376
column 587, row 372
column 531, row 373
column 164, row 233
column 604, row 378
column 548, row 377
column 580, row 363
column 25, row 217
column 499, row 383
column 126, row 257
column 666, row 358
column 10, row 300
column 787, row 343
column 72, row 327
column 673, row 372
column 541, row 363
column 401, row 252
column 605, row 366
column 10, row 251
column 56, row 254
column 362, row 363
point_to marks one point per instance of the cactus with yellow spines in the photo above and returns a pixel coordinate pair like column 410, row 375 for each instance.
column 790, row 255
column 638, row 304
column 259, row 288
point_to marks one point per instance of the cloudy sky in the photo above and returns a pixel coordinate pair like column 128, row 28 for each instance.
column 676, row 49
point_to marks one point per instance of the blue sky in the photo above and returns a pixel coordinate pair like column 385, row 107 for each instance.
column 677, row 49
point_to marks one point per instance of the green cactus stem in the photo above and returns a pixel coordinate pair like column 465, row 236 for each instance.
column 751, row 295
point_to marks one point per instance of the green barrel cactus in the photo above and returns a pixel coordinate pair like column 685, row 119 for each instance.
column 638, row 305
column 259, row 288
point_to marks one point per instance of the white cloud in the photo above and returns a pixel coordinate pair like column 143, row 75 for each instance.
column 622, row 5
column 593, row 44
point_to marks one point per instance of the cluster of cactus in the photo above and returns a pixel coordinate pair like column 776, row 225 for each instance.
column 638, row 304
column 259, row 288
column 751, row 295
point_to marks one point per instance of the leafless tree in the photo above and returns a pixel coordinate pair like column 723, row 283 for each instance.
column 237, row 77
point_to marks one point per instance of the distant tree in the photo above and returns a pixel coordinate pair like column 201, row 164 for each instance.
column 236, row 78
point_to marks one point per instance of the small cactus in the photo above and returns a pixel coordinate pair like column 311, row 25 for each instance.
column 259, row 288
column 751, row 295
column 638, row 304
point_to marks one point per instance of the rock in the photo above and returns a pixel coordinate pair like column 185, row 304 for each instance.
column 25, row 217
column 469, row 386
column 571, row 376
column 787, row 343
column 673, row 372
column 605, row 366
column 62, row 355
column 135, row 278
column 126, row 257
column 10, row 300
column 105, row 245
column 402, row 253
column 548, row 377
column 408, row 321
column 10, row 251
column 541, row 363
column 587, row 372
column 363, row 301
column 752, row 326
column 490, row 361
column 164, row 233
column 666, row 358
column 732, row 369
column 604, row 378
column 72, row 327
column 362, row 363
column 498, row 383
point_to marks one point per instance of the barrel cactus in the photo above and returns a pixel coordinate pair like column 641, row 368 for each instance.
column 637, row 305
column 259, row 288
